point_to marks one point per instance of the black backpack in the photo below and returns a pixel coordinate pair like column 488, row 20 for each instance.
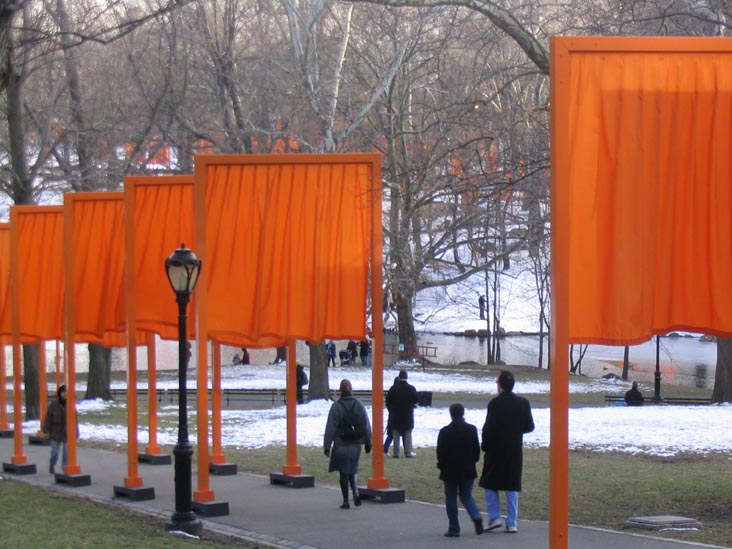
column 352, row 428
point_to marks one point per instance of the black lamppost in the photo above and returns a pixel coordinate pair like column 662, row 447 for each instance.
column 657, row 376
column 182, row 268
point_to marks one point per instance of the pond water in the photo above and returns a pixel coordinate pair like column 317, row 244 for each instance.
column 684, row 361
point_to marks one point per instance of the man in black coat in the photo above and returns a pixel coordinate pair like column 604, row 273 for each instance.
column 457, row 453
column 508, row 418
column 634, row 397
column 400, row 401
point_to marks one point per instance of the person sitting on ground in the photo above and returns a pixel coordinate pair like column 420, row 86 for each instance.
column 634, row 397
column 236, row 360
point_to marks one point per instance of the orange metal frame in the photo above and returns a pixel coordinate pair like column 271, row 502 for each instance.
column 204, row 492
column 562, row 49
column 17, row 339
column 73, row 467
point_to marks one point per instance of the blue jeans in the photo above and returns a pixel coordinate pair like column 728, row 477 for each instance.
column 55, row 445
column 465, row 490
column 494, row 506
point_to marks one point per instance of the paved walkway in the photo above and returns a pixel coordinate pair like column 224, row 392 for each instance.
column 278, row 516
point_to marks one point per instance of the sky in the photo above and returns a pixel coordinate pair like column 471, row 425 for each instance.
column 653, row 430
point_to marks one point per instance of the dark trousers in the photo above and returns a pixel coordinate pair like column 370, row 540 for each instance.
column 465, row 490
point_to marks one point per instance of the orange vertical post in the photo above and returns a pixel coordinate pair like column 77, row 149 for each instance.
column 58, row 363
column 42, row 382
column 72, row 467
column 204, row 492
column 218, row 453
column 378, row 481
column 152, row 447
column 133, row 479
column 18, row 457
column 4, row 426
column 291, row 467
column 559, row 359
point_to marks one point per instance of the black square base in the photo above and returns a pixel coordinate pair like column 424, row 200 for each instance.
column 385, row 495
column 73, row 480
column 141, row 493
column 222, row 469
column 6, row 433
column 39, row 441
column 23, row 469
column 211, row 508
column 293, row 481
column 155, row 459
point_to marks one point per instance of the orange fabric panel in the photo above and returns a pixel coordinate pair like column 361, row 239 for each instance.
column 287, row 248
column 162, row 219
column 5, row 318
column 39, row 255
column 97, row 253
column 650, row 165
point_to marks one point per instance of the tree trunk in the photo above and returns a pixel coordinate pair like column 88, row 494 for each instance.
column 723, row 376
column 405, row 320
column 100, row 371
column 30, row 380
column 319, row 386
column 281, row 355
column 626, row 363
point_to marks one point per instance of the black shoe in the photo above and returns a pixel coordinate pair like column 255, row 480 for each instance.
column 346, row 505
column 357, row 500
column 52, row 469
column 478, row 525
column 451, row 534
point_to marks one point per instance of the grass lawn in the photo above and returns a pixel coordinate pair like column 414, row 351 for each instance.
column 34, row 517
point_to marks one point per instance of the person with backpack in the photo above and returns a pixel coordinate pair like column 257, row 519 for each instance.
column 347, row 429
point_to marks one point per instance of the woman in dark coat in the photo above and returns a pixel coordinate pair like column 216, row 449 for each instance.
column 345, row 454
column 508, row 418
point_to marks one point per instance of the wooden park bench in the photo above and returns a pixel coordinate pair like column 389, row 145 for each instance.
column 670, row 401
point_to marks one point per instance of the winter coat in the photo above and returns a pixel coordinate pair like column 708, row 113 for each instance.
column 634, row 398
column 345, row 455
column 331, row 350
column 458, row 451
column 400, row 401
column 508, row 418
column 302, row 377
column 365, row 348
column 54, row 424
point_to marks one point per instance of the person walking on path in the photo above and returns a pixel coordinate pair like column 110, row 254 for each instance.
column 634, row 397
column 458, row 451
column 348, row 427
column 481, row 306
column 400, row 401
column 331, row 348
column 302, row 380
column 54, row 425
column 508, row 418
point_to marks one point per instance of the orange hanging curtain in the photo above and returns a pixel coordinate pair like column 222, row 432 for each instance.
column 5, row 317
column 97, row 252
column 159, row 214
column 287, row 246
column 649, row 170
column 38, row 251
